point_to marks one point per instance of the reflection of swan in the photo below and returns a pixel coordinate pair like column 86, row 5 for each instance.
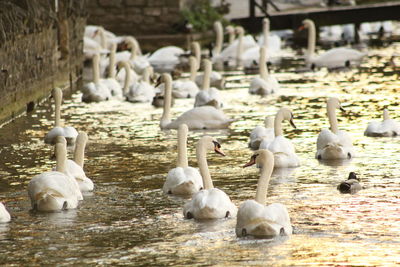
column 256, row 219
column 282, row 148
column 265, row 84
column 334, row 144
column 206, row 95
column 387, row 127
column 54, row 190
column 75, row 167
column 4, row 214
column 206, row 117
column 333, row 58
column 209, row 203
column 262, row 134
column 97, row 90
column 68, row 132
column 183, row 180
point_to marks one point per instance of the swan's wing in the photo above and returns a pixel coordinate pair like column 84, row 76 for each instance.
column 324, row 138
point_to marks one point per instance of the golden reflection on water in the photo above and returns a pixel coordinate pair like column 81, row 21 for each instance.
column 128, row 220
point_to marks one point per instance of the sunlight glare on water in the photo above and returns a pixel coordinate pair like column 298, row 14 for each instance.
column 128, row 220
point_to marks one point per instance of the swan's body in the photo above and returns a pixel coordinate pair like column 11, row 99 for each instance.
column 111, row 83
column 68, row 132
column 187, row 88
column 283, row 150
column 209, row 203
column 4, row 214
column 53, row 191
column 386, row 128
column 166, row 58
column 142, row 91
column 333, row 58
column 265, row 84
column 97, row 90
column 256, row 219
column 208, row 95
column 333, row 143
column 206, row 117
column 262, row 134
column 183, row 180
column 216, row 80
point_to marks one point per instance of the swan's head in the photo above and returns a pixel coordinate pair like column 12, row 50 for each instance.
column 123, row 65
column 239, row 30
column 229, row 29
column 334, row 103
column 210, row 144
column 286, row 114
column 218, row 26
column 260, row 157
column 266, row 22
column 307, row 23
column 164, row 78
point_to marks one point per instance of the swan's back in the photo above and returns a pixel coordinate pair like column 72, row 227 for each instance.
column 284, row 153
column 76, row 171
column 384, row 128
column 4, row 214
column 259, row 134
column 183, row 181
column 337, row 57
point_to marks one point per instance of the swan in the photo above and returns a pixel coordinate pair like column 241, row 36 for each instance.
column 254, row 217
column 68, row 132
column 111, row 83
column 142, row 91
column 265, row 84
column 333, row 58
column 262, row 134
column 334, row 143
column 183, row 180
column 272, row 44
column 54, row 190
column 91, row 47
column 388, row 127
column 206, row 117
column 219, row 38
column 208, row 96
column 4, row 214
column 209, row 203
column 138, row 62
column 230, row 30
column 75, row 167
column 188, row 88
column 351, row 185
column 97, row 90
column 166, row 58
column 283, row 150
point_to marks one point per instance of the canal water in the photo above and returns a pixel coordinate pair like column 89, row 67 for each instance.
column 128, row 220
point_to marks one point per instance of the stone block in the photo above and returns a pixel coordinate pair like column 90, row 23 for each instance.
column 135, row 2
column 152, row 11
column 110, row 3
column 155, row 3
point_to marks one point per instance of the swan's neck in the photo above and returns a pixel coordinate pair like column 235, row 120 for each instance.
column 96, row 69
column 166, row 116
column 61, row 155
column 278, row 124
column 182, row 147
column 57, row 100
column 146, row 75
column 263, row 64
column 332, row 118
column 133, row 50
column 201, row 154
column 263, row 181
column 103, row 39
column 265, row 33
column 385, row 115
column 197, row 53
column 111, row 66
column 239, row 50
column 207, row 75
column 127, row 77
column 79, row 153
column 219, row 38
column 231, row 37
column 193, row 68
column 311, row 41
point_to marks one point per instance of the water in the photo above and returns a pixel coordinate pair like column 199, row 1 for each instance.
column 127, row 220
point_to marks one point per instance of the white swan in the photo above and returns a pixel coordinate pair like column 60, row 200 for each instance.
column 334, row 143
column 388, row 127
column 333, row 58
column 283, row 150
column 138, row 62
column 187, row 88
column 266, row 83
column 254, row 217
column 111, row 82
column 68, row 132
column 54, row 190
column 142, row 91
column 209, row 203
column 166, row 58
column 219, row 38
column 208, row 95
column 262, row 134
column 97, row 90
column 272, row 44
column 206, row 117
column 230, row 30
column 4, row 214
column 75, row 167
column 183, row 180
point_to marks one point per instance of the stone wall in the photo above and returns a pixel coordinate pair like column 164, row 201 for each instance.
column 39, row 50
column 136, row 17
